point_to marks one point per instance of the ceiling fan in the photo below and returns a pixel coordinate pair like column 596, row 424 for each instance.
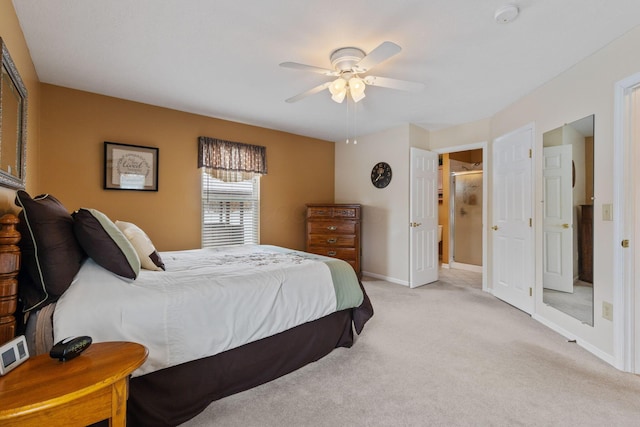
column 348, row 64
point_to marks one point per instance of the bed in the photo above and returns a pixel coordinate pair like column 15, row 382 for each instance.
column 216, row 321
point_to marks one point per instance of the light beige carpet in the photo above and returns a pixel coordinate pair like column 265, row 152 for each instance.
column 446, row 354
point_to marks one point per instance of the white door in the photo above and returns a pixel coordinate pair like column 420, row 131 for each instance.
column 557, row 219
column 512, row 223
column 626, row 200
column 423, row 221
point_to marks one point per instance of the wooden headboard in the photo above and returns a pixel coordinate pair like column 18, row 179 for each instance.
column 9, row 268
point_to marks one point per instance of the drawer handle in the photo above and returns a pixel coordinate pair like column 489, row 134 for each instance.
column 332, row 240
column 332, row 253
column 332, row 228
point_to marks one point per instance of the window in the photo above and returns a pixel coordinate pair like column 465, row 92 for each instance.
column 230, row 211
column 230, row 191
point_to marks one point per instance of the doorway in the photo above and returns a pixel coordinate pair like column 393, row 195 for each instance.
column 470, row 156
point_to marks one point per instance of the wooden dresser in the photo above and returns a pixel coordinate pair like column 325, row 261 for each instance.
column 334, row 230
column 9, row 267
column 585, row 244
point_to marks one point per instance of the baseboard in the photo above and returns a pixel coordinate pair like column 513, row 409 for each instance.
column 467, row 267
column 570, row 336
column 385, row 278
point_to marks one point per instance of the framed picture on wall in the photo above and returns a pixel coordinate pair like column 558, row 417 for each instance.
column 130, row 167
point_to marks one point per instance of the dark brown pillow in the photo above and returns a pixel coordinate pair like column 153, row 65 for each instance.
column 51, row 255
column 105, row 243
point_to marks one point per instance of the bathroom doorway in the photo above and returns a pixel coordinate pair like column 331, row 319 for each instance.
column 459, row 248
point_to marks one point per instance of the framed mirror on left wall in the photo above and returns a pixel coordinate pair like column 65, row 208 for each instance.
column 13, row 123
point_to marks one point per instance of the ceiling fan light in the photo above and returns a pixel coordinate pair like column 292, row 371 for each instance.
column 339, row 96
column 357, row 96
column 356, row 88
column 337, row 86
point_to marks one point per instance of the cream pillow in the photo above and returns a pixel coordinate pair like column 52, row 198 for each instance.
column 149, row 257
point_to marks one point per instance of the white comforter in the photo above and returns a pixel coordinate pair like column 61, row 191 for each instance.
column 208, row 301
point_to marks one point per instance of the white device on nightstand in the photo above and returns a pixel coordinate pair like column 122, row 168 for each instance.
column 13, row 353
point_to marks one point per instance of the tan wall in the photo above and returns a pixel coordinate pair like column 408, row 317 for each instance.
column 12, row 36
column 74, row 125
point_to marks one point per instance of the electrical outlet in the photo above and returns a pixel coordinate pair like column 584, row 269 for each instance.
column 607, row 310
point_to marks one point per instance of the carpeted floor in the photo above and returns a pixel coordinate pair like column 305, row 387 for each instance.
column 445, row 354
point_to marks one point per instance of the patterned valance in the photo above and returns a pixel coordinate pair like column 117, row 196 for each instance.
column 231, row 161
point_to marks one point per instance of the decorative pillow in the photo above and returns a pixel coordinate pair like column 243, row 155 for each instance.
column 51, row 255
column 149, row 256
column 105, row 243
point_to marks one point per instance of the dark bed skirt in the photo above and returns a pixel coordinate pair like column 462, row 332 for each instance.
column 174, row 395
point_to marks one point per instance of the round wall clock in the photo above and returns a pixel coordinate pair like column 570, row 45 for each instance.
column 381, row 175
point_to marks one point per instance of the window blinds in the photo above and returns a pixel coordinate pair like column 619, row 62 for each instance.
column 230, row 211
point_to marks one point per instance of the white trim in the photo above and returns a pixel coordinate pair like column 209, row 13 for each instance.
column 485, row 196
column 571, row 337
column 467, row 267
column 458, row 148
column 624, row 176
column 385, row 278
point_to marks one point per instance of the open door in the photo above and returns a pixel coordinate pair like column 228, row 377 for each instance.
column 513, row 259
column 558, row 219
column 423, row 222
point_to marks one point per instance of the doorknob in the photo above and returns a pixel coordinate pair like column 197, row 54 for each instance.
column 565, row 225
column 495, row 227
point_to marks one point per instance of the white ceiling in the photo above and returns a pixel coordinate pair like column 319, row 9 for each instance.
column 220, row 58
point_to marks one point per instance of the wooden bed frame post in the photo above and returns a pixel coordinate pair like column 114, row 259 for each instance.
column 9, row 268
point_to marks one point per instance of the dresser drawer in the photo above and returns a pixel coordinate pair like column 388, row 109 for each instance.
column 332, row 240
column 341, row 212
column 345, row 213
column 347, row 254
column 319, row 212
column 331, row 227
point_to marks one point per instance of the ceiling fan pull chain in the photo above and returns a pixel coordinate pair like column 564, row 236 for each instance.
column 355, row 122
column 347, row 119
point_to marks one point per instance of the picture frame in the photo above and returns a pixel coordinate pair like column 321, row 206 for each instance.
column 130, row 167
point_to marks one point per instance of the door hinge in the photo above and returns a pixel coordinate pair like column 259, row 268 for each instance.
column 530, row 292
column 625, row 243
column 530, row 222
column 530, row 153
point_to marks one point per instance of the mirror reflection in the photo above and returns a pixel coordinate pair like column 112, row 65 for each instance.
column 568, row 219
column 13, row 117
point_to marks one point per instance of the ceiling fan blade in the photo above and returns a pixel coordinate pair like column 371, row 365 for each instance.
column 393, row 83
column 383, row 52
column 311, row 68
column 310, row 92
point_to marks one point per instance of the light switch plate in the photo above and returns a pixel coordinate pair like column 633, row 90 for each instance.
column 607, row 310
column 607, row 212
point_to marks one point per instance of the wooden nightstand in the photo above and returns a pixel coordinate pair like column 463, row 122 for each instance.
column 92, row 387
